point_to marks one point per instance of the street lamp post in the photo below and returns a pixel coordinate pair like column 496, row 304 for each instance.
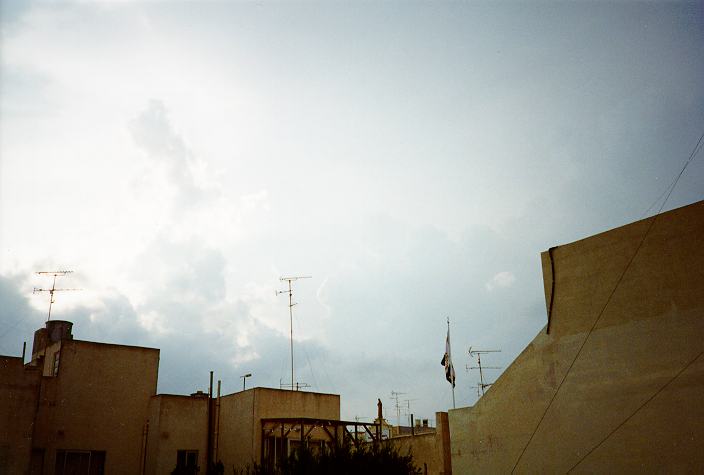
column 244, row 380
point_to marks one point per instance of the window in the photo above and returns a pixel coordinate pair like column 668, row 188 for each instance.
column 55, row 366
column 187, row 462
column 80, row 462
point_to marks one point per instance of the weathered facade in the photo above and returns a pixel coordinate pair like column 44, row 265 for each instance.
column 241, row 434
column 19, row 396
column 81, row 407
column 430, row 449
column 621, row 355
column 178, row 426
column 77, row 405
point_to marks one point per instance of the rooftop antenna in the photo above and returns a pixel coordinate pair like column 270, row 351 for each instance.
column 290, row 313
column 297, row 386
column 408, row 409
column 478, row 388
column 54, row 274
column 478, row 354
column 394, row 396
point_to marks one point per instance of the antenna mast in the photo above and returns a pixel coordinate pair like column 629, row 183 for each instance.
column 394, row 396
column 408, row 409
column 54, row 274
column 479, row 353
column 290, row 314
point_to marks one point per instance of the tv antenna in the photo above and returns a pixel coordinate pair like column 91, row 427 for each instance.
column 478, row 354
column 394, row 396
column 297, row 387
column 294, row 387
column 54, row 274
column 408, row 409
column 478, row 388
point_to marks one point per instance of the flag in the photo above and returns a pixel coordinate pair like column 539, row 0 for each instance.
column 447, row 362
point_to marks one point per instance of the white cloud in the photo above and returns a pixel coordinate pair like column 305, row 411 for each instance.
column 255, row 201
column 269, row 151
column 500, row 280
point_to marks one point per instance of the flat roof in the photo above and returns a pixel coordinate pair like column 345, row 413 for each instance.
column 116, row 345
column 263, row 388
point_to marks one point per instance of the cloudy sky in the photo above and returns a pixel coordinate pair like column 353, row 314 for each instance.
column 413, row 158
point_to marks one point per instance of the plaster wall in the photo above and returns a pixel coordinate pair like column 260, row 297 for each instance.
column 98, row 401
column 19, row 391
column 176, row 423
column 632, row 398
column 241, row 414
column 431, row 451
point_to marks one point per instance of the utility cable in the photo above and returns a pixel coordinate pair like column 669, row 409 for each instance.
column 299, row 328
column 694, row 152
column 645, row 403
column 671, row 187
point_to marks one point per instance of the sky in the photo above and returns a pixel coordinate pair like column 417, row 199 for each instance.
column 413, row 158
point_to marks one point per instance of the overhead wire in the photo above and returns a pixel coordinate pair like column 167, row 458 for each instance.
column 645, row 403
column 670, row 189
column 299, row 327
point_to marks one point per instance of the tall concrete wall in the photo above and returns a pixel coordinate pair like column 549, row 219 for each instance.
column 176, row 423
column 98, row 401
column 241, row 414
column 19, row 390
column 431, row 451
column 235, row 441
column 632, row 400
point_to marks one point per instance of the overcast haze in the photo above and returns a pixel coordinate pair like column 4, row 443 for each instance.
column 413, row 158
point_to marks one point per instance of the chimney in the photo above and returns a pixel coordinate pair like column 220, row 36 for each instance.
column 58, row 330
column 54, row 331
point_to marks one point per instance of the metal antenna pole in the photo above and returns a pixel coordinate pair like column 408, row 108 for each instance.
column 290, row 314
column 394, row 396
column 481, row 374
column 481, row 368
column 53, row 288
column 408, row 407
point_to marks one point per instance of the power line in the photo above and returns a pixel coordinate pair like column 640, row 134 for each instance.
column 305, row 352
column 694, row 153
column 671, row 187
column 645, row 403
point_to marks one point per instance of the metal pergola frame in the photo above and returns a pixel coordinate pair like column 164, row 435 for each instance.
column 336, row 431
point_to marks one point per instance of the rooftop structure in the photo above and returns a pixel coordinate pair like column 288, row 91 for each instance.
column 614, row 381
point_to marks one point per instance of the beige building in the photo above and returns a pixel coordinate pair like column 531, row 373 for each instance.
column 177, row 433
column 430, row 446
column 614, row 383
column 262, row 423
column 81, row 407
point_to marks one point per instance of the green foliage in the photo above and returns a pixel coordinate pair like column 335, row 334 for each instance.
column 344, row 459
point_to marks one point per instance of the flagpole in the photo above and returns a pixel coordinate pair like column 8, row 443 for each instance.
column 450, row 356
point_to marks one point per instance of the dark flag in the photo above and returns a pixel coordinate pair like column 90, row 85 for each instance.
column 447, row 362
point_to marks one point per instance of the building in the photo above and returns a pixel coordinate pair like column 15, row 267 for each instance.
column 430, row 446
column 614, row 382
column 78, row 404
column 81, row 407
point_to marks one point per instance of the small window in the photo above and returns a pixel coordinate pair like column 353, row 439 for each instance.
column 80, row 462
column 55, row 366
column 187, row 462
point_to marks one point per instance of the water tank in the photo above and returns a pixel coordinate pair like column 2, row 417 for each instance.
column 58, row 330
